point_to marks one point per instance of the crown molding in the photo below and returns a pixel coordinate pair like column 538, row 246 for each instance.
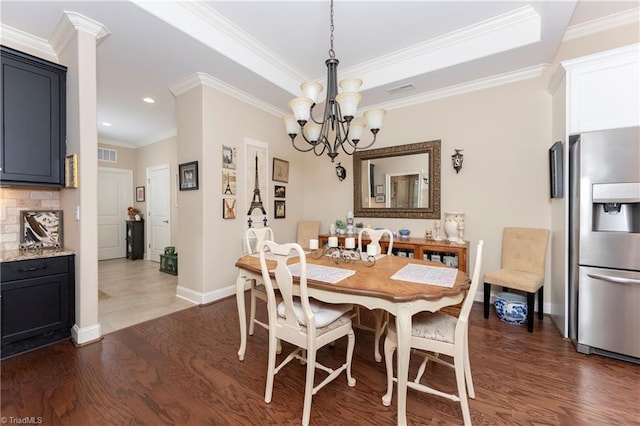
column 606, row 23
column 202, row 79
column 72, row 22
column 204, row 24
column 14, row 37
column 472, row 86
column 159, row 138
column 498, row 34
column 113, row 142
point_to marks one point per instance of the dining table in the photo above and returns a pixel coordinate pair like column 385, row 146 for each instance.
column 375, row 284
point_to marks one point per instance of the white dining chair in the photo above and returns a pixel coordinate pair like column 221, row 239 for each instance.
column 306, row 323
column 381, row 317
column 433, row 334
column 253, row 239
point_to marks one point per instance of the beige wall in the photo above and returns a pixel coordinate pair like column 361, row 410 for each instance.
column 505, row 133
column 208, row 244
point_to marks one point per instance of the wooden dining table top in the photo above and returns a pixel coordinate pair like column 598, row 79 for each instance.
column 372, row 281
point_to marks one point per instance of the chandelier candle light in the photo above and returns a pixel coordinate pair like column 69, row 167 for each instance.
column 339, row 110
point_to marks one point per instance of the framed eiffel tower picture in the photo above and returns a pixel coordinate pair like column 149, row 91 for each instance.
column 229, row 182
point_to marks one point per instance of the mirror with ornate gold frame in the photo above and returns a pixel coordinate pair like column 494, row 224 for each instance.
column 398, row 182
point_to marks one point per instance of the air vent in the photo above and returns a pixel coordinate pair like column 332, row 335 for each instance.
column 400, row 89
column 108, row 155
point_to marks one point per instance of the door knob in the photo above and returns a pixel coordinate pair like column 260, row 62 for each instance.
column 165, row 221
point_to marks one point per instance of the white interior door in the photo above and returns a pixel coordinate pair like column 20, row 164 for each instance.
column 115, row 194
column 159, row 210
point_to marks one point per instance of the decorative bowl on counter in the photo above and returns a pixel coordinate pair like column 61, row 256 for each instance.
column 511, row 308
column 404, row 233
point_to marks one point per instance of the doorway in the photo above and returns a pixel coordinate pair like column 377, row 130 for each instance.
column 158, row 210
column 115, row 189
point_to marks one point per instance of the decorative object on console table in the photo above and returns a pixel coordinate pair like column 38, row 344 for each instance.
column 436, row 231
column 418, row 248
column 451, row 221
column 132, row 212
column 460, row 240
column 134, row 239
column 188, row 173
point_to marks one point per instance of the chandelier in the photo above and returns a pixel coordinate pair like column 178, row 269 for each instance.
column 337, row 128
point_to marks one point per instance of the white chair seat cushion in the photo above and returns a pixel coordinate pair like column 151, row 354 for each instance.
column 432, row 326
column 324, row 313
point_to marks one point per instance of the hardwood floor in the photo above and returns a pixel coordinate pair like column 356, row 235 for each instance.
column 183, row 369
column 131, row 292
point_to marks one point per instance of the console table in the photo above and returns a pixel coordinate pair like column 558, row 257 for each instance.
column 452, row 254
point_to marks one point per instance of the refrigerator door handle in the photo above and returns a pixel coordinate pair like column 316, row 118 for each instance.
column 618, row 280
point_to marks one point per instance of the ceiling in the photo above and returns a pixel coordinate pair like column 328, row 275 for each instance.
column 261, row 51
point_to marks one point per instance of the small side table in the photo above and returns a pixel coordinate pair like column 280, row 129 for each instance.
column 169, row 263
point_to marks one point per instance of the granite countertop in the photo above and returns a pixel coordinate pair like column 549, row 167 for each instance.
column 15, row 255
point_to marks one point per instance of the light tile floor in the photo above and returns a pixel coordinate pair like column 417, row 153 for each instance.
column 134, row 291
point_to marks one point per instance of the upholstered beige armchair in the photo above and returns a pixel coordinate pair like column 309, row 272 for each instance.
column 524, row 254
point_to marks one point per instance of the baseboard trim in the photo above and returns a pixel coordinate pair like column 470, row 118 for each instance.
column 201, row 298
column 86, row 335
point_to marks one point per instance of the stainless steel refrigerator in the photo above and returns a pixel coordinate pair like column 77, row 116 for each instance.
column 604, row 249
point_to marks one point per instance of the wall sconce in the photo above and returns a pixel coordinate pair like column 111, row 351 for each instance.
column 341, row 172
column 456, row 160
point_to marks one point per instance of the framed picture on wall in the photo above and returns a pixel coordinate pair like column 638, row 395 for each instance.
column 229, row 157
column 139, row 194
column 280, row 191
column 41, row 228
column 280, row 170
column 188, row 175
column 71, row 171
column 280, row 209
column 228, row 208
column 555, row 170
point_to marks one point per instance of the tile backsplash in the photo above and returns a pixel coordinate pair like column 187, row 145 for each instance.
column 12, row 201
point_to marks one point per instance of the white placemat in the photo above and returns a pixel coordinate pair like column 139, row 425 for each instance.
column 423, row 274
column 327, row 274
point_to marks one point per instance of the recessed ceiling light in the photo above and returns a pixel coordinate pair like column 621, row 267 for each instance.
column 149, row 100
column 105, row 124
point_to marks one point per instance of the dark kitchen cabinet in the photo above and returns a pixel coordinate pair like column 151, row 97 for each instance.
column 33, row 125
column 135, row 239
column 38, row 302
